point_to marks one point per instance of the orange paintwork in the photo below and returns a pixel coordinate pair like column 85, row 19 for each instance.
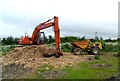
column 44, row 25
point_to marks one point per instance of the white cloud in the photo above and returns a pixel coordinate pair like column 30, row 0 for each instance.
column 82, row 17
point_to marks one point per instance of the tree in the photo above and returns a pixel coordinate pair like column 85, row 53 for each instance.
column 0, row 41
column 50, row 39
column 3, row 41
column 96, row 38
column 9, row 40
column 101, row 38
column 16, row 40
column 108, row 40
column 83, row 38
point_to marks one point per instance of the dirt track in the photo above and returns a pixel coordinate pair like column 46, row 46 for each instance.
column 29, row 58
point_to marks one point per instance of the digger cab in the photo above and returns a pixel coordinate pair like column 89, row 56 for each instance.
column 41, row 38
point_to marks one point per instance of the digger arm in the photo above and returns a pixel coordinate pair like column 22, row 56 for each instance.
column 48, row 24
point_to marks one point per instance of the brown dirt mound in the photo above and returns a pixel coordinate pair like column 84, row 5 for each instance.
column 32, row 57
column 27, row 55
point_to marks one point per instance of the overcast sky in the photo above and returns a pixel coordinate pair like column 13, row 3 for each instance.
column 76, row 17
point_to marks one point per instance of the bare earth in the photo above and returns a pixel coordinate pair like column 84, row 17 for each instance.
column 27, row 59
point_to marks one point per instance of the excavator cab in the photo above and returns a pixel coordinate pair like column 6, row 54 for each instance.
column 41, row 38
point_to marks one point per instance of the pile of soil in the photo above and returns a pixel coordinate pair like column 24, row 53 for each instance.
column 29, row 58
column 27, row 55
column 32, row 56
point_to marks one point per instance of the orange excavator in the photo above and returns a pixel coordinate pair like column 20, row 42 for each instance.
column 36, row 35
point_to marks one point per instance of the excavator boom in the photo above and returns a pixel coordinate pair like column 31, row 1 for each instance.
column 44, row 25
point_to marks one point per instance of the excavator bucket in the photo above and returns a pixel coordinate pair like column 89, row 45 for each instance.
column 52, row 52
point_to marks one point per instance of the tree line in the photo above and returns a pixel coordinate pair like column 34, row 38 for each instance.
column 74, row 38
column 11, row 40
column 8, row 40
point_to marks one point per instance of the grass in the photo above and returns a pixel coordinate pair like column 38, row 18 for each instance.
column 97, row 57
column 45, row 67
column 5, row 49
column 85, row 71
column 66, row 47
column 0, row 53
column 37, row 74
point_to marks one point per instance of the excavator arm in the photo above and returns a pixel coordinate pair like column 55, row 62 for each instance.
column 45, row 25
column 40, row 27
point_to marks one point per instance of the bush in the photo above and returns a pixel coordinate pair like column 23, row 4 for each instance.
column 6, row 49
column 109, row 47
column 97, row 57
column 66, row 48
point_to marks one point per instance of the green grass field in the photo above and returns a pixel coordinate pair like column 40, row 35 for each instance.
column 86, row 71
column 103, row 68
